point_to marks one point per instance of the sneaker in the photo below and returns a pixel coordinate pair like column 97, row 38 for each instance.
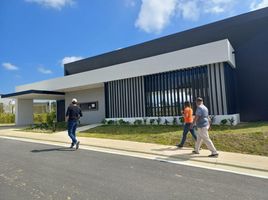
column 195, row 152
column 215, row 155
column 72, row 145
column 77, row 145
column 179, row 145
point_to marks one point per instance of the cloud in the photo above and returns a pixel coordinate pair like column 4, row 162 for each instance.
column 9, row 66
column 69, row 59
column 130, row 3
column 189, row 10
column 255, row 5
column 44, row 71
column 218, row 6
column 155, row 15
column 55, row 4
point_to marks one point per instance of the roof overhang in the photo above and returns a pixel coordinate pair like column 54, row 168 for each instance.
column 205, row 54
column 35, row 94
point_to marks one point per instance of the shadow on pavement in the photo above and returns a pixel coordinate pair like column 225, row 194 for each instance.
column 167, row 149
column 53, row 149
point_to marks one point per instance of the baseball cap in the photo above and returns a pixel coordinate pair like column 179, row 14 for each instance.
column 199, row 99
column 74, row 100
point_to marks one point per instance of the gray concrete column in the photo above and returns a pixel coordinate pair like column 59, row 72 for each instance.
column 24, row 111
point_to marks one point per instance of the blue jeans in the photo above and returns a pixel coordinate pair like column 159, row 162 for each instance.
column 186, row 129
column 72, row 124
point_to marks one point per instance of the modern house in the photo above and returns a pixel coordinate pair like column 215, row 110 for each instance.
column 225, row 62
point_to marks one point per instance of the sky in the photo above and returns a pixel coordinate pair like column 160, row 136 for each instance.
column 38, row 36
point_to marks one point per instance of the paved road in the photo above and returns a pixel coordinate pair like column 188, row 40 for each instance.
column 38, row 171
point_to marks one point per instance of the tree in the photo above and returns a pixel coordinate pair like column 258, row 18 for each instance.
column 1, row 108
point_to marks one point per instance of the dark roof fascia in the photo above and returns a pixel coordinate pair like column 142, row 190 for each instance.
column 242, row 18
column 32, row 92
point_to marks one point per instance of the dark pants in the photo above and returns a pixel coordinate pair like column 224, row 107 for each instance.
column 72, row 124
column 186, row 129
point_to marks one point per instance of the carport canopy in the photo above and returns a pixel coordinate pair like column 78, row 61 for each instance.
column 24, row 103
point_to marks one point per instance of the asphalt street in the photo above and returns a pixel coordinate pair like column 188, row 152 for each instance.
column 38, row 171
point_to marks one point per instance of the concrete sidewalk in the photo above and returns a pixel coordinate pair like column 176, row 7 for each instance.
column 245, row 162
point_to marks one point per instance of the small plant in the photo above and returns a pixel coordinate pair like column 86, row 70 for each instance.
column 181, row 120
column 152, row 121
column 121, row 122
column 44, row 126
column 104, row 121
column 158, row 120
column 144, row 121
column 138, row 122
column 110, row 122
column 127, row 122
column 51, row 118
column 175, row 122
column 166, row 122
column 231, row 120
column 212, row 118
column 224, row 121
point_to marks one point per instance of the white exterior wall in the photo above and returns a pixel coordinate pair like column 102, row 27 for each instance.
column 214, row 52
column 24, row 111
column 85, row 96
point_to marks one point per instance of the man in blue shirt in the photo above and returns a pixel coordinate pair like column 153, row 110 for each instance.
column 202, row 122
column 72, row 116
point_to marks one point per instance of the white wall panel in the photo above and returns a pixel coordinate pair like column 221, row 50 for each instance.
column 24, row 111
column 85, row 96
column 214, row 52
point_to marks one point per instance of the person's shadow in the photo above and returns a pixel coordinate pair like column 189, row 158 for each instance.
column 53, row 149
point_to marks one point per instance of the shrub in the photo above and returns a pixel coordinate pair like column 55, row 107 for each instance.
column 158, row 120
column 61, row 125
column 51, row 119
column 127, row 122
column 145, row 120
column 138, row 122
column 231, row 120
column 40, row 118
column 181, row 120
column 121, row 122
column 110, row 122
column 54, row 127
column 104, row 121
column 174, row 121
column 7, row 118
column 212, row 118
column 152, row 121
column 166, row 122
column 224, row 121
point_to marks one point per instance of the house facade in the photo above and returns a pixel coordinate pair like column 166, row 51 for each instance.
column 225, row 63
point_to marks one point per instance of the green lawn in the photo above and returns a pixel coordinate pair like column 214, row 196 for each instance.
column 251, row 138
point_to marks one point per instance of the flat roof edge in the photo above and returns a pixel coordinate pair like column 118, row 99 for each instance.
column 31, row 92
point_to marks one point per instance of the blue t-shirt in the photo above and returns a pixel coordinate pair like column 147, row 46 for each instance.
column 203, row 120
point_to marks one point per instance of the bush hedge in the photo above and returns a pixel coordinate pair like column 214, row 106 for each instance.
column 7, row 118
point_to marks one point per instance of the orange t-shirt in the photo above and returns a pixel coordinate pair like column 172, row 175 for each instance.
column 188, row 115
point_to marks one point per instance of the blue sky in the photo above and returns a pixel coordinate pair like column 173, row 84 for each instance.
column 38, row 36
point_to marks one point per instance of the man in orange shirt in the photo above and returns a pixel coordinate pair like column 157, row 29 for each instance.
column 188, row 120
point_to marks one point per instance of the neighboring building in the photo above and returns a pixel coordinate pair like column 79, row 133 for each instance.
column 8, row 105
column 225, row 62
